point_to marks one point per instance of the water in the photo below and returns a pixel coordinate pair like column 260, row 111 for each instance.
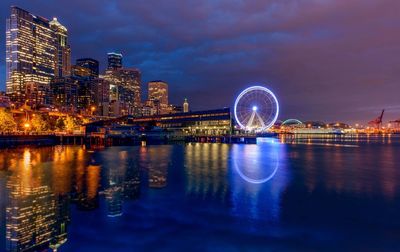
column 336, row 194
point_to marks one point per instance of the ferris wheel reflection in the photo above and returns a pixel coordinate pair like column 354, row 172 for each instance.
column 258, row 164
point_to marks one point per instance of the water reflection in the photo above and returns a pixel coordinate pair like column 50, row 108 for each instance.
column 162, row 191
column 36, row 216
column 122, row 180
column 259, row 180
column 206, row 170
column 257, row 164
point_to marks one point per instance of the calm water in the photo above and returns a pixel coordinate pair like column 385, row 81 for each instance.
column 301, row 195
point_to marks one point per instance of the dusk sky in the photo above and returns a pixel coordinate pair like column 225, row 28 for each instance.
column 325, row 60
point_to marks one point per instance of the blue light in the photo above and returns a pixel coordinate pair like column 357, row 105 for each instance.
column 254, row 108
column 249, row 89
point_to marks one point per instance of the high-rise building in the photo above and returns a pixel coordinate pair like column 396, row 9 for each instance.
column 158, row 91
column 65, row 93
column 101, row 96
column 114, row 60
column 185, row 106
column 79, row 71
column 125, row 91
column 36, row 51
column 91, row 64
column 63, row 50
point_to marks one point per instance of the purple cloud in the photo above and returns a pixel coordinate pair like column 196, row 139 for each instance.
column 326, row 60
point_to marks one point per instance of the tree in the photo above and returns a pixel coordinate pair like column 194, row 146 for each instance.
column 39, row 123
column 70, row 123
column 7, row 122
column 60, row 124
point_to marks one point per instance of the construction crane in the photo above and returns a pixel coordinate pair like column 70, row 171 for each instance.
column 377, row 122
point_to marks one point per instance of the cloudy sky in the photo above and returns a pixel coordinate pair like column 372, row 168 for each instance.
column 330, row 60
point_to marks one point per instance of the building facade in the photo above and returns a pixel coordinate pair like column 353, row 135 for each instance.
column 101, row 96
column 91, row 64
column 125, row 91
column 114, row 60
column 210, row 122
column 65, row 93
column 158, row 91
column 36, row 52
column 63, row 49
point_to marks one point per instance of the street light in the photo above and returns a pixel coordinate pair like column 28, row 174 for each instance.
column 92, row 108
column 26, row 126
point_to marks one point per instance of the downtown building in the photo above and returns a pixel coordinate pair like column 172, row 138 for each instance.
column 37, row 50
column 83, row 92
column 125, row 87
column 158, row 97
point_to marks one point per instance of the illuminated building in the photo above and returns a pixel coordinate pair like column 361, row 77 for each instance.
column 210, row 122
column 65, row 93
column 101, row 96
column 80, row 71
column 78, row 94
column 114, row 60
column 37, row 94
column 185, row 106
column 158, row 90
column 85, row 95
column 31, row 47
column 63, row 50
column 173, row 109
column 125, row 91
column 5, row 101
column 91, row 64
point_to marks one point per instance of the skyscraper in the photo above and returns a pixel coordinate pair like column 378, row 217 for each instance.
column 125, row 90
column 114, row 60
column 91, row 64
column 36, row 51
column 158, row 91
column 63, row 50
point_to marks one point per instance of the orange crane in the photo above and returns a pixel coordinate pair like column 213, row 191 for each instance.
column 377, row 122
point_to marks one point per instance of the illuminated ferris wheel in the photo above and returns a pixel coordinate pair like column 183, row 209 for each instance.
column 256, row 109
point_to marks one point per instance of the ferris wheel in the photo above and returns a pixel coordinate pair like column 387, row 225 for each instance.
column 256, row 109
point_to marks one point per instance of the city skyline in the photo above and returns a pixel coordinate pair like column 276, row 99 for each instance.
column 321, row 59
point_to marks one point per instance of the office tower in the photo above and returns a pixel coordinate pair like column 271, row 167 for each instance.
column 158, row 91
column 79, row 71
column 114, row 60
column 131, row 79
column 85, row 95
column 5, row 101
column 91, row 64
column 37, row 50
column 63, row 49
column 185, row 106
column 125, row 91
column 65, row 93
column 101, row 96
